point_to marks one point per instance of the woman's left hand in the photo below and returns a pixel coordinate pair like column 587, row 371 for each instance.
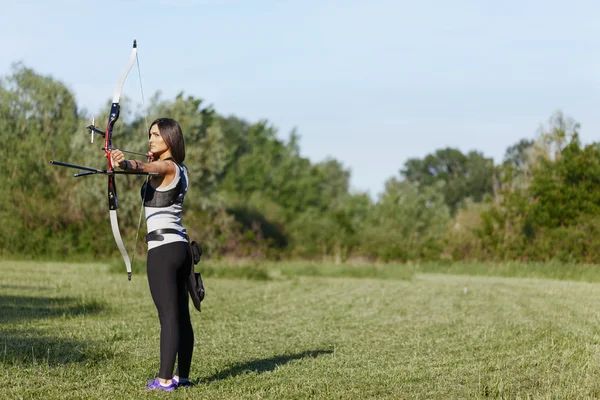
column 118, row 158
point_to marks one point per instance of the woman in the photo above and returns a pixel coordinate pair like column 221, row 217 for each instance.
column 169, row 258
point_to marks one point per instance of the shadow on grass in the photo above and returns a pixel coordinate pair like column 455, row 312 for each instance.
column 30, row 347
column 22, row 308
column 24, row 287
column 260, row 366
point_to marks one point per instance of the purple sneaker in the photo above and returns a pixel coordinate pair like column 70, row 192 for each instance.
column 185, row 383
column 155, row 385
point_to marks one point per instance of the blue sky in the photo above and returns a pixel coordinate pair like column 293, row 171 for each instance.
column 370, row 83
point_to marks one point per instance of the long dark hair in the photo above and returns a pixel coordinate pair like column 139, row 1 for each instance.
column 171, row 133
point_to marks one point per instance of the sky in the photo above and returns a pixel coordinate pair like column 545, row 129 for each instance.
column 369, row 83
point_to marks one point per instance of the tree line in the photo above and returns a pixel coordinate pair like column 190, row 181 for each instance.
column 253, row 195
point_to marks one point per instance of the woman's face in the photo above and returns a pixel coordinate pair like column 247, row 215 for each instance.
column 157, row 143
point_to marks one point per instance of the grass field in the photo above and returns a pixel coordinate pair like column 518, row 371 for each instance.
column 309, row 331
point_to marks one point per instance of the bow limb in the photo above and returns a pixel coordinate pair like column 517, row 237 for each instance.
column 119, row 86
column 114, row 223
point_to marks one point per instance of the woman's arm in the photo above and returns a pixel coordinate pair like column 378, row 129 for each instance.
column 165, row 169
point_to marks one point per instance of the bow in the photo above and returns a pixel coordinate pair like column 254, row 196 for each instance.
column 113, row 202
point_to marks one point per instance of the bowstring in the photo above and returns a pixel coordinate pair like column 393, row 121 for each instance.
column 145, row 112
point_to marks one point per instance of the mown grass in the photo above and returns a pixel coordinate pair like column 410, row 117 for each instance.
column 273, row 270
column 77, row 331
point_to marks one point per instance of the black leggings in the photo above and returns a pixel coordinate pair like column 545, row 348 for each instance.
column 168, row 268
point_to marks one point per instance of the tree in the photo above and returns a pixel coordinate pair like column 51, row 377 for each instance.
column 517, row 155
column 38, row 116
column 547, row 207
column 568, row 188
column 338, row 231
column 464, row 176
column 407, row 222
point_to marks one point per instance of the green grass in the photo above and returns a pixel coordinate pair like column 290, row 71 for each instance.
column 302, row 330
column 272, row 270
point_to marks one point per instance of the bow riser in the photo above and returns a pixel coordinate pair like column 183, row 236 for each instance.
column 113, row 202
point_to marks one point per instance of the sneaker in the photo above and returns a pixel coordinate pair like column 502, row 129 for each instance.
column 187, row 383
column 155, row 385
